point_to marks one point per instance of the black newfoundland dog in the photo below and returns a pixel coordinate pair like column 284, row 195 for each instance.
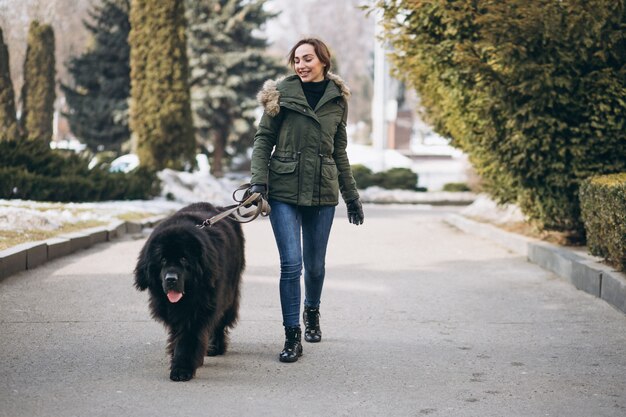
column 193, row 276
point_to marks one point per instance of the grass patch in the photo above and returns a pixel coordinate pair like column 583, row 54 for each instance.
column 133, row 216
column 533, row 231
column 9, row 238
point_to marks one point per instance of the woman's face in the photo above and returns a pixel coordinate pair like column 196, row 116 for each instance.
column 307, row 65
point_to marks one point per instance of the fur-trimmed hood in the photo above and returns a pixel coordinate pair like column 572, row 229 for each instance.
column 269, row 96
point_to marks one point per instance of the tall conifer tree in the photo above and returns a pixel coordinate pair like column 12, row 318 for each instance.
column 228, row 67
column 98, row 100
column 38, row 91
column 8, row 122
column 160, row 112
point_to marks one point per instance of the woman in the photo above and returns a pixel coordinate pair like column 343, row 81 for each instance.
column 299, row 162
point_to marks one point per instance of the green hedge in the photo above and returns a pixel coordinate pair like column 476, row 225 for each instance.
column 30, row 170
column 603, row 206
column 531, row 90
column 362, row 176
column 456, row 187
column 391, row 179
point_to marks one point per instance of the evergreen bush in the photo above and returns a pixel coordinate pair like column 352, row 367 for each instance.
column 531, row 90
column 363, row 176
column 396, row 179
column 160, row 108
column 30, row 170
column 603, row 205
column 391, row 179
column 455, row 187
column 9, row 129
column 38, row 90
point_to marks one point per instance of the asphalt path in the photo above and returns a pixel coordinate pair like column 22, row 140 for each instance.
column 418, row 319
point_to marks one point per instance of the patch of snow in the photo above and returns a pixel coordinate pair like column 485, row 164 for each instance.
column 435, row 165
column 124, row 163
column 375, row 159
column 487, row 210
column 20, row 215
column 191, row 187
column 182, row 188
column 16, row 218
column 178, row 189
column 384, row 196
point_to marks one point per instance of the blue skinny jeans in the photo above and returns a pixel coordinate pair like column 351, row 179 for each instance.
column 301, row 235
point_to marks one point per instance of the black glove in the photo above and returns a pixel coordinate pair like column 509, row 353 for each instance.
column 355, row 212
column 256, row 188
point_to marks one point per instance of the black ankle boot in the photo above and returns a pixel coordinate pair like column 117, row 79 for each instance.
column 293, row 345
column 312, row 332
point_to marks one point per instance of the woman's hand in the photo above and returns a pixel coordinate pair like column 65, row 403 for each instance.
column 256, row 188
column 355, row 212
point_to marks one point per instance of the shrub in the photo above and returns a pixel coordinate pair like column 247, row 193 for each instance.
column 363, row 176
column 30, row 170
column 392, row 179
column 160, row 116
column 532, row 91
column 456, row 187
column 38, row 89
column 9, row 129
column 603, row 206
column 396, row 179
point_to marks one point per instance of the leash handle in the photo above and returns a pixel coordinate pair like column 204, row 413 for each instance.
column 262, row 208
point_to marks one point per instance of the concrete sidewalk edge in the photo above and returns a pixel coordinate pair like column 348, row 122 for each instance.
column 585, row 272
column 29, row 255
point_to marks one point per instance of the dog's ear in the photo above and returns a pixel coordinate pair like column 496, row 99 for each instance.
column 142, row 271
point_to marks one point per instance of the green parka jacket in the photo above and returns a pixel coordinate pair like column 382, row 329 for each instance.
column 300, row 152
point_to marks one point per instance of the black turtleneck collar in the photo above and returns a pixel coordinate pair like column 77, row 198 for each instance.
column 313, row 91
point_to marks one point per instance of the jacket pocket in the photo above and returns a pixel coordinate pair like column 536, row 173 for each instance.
column 329, row 171
column 329, row 183
column 283, row 179
column 285, row 156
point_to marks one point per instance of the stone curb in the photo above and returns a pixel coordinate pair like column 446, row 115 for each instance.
column 585, row 272
column 30, row 255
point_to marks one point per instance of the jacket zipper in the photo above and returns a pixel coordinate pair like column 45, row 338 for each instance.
column 299, row 177
column 319, row 181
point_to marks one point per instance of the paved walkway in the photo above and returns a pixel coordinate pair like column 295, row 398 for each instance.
column 418, row 318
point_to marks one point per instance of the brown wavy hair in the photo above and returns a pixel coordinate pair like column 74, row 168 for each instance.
column 321, row 50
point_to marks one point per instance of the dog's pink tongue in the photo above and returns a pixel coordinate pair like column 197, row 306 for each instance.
column 174, row 296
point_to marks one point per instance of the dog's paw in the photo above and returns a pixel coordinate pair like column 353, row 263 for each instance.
column 181, row 374
column 215, row 351
column 216, row 348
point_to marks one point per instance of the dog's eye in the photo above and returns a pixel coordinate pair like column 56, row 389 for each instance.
column 183, row 261
column 163, row 261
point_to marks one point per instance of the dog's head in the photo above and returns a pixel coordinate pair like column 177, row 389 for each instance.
column 171, row 261
column 174, row 272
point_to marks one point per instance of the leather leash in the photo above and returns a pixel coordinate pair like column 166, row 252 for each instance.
column 235, row 211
